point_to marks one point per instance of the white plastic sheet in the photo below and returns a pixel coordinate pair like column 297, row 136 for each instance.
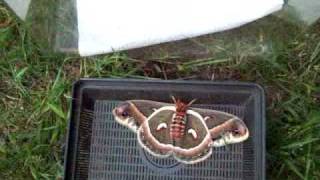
column 91, row 27
column 111, row 25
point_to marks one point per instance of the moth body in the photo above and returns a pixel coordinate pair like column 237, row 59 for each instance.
column 178, row 125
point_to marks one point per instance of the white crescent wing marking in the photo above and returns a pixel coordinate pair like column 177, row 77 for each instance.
column 162, row 126
column 193, row 133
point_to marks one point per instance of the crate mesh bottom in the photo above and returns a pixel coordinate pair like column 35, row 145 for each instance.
column 116, row 154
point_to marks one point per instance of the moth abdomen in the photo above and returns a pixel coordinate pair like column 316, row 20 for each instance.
column 177, row 127
column 178, row 124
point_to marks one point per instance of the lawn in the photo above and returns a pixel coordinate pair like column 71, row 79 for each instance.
column 35, row 91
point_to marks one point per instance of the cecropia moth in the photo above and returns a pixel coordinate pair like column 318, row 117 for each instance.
column 188, row 134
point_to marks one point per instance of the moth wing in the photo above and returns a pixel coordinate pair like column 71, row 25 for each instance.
column 224, row 128
column 140, row 111
column 205, row 154
column 154, row 134
column 147, row 107
column 230, row 132
column 214, row 118
column 159, row 124
column 152, row 146
column 194, row 146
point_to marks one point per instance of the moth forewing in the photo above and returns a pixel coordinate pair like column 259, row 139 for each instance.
column 128, row 115
column 214, row 118
column 147, row 107
column 129, row 123
column 227, row 132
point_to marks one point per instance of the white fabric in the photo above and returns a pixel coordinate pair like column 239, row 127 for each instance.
column 111, row 25
column 20, row 7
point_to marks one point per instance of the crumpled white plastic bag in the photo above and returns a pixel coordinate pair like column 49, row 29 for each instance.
column 112, row 25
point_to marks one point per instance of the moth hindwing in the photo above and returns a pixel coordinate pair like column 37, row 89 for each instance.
column 154, row 136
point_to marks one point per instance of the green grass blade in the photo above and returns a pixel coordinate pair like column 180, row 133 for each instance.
column 308, row 163
column 315, row 53
column 20, row 74
column 57, row 79
column 300, row 144
column 294, row 169
column 57, row 110
column 203, row 62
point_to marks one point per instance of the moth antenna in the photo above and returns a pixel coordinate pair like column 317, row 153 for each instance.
column 174, row 99
column 191, row 102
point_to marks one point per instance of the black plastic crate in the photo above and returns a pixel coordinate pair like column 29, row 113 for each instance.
column 100, row 148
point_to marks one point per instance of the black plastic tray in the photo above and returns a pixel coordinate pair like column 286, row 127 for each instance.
column 100, row 148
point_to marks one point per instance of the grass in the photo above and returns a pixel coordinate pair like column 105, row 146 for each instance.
column 35, row 91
